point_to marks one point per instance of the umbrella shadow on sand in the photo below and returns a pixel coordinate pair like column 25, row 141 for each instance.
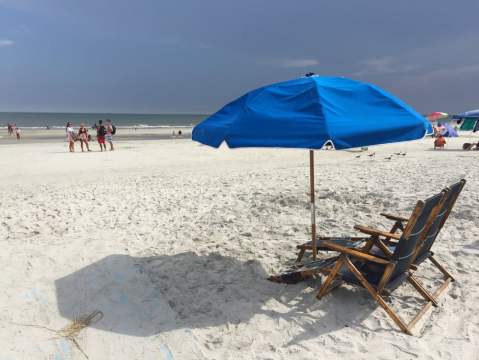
column 150, row 295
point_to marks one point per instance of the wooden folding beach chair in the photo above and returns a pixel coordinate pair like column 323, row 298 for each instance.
column 303, row 270
column 387, row 236
column 424, row 248
column 381, row 276
column 354, row 241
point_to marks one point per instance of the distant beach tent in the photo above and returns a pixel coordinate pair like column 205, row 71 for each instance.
column 447, row 130
column 310, row 112
column 469, row 124
column 468, row 114
column 469, row 120
column 437, row 115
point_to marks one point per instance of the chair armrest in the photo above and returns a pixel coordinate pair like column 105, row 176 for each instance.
column 371, row 231
column 343, row 238
column 394, row 217
column 354, row 252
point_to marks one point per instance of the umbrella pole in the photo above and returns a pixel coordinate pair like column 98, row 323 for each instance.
column 313, row 207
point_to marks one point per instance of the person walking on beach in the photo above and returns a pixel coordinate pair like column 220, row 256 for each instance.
column 100, row 135
column 10, row 129
column 83, row 136
column 110, row 131
column 439, row 142
column 70, row 136
column 18, row 133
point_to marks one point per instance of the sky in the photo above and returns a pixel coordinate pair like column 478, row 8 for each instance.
column 193, row 56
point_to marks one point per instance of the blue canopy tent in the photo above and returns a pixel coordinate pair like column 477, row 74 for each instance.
column 310, row 112
column 470, row 120
column 467, row 114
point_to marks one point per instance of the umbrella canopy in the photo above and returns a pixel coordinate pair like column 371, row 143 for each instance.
column 468, row 114
column 437, row 115
column 309, row 112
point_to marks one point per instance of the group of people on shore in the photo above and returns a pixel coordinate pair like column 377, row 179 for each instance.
column 13, row 129
column 441, row 132
column 104, row 133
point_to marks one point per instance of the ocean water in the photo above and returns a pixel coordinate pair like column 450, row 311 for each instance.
column 59, row 120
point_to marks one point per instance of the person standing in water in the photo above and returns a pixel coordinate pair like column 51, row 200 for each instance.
column 70, row 136
column 100, row 135
column 18, row 132
column 83, row 136
column 110, row 131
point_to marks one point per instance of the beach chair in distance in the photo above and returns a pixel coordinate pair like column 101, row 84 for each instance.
column 381, row 276
column 424, row 249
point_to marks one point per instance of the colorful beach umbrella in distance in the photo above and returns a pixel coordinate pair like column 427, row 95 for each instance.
column 310, row 112
column 437, row 115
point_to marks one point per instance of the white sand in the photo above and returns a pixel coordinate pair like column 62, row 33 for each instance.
column 173, row 242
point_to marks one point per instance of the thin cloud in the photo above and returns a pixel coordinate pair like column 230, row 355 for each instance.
column 455, row 71
column 297, row 63
column 383, row 66
column 287, row 63
column 5, row 43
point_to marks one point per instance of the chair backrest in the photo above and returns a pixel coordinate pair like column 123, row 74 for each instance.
column 453, row 192
column 416, row 229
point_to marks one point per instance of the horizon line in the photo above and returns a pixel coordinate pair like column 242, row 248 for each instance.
column 105, row 113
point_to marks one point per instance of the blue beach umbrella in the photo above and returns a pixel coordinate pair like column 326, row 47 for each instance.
column 310, row 112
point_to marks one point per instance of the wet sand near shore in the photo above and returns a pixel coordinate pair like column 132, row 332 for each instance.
column 30, row 136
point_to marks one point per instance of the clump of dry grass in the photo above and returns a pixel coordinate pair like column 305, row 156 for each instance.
column 72, row 330
column 78, row 324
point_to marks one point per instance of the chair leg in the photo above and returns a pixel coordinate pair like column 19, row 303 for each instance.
column 422, row 290
column 334, row 271
column 441, row 288
column 426, row 307
column 378, row 297
column 334, row 285
column 380, row 244
column 369, row 244
column 441, row 268
column 447, row 280
column 300, row 255
column 420, row 314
